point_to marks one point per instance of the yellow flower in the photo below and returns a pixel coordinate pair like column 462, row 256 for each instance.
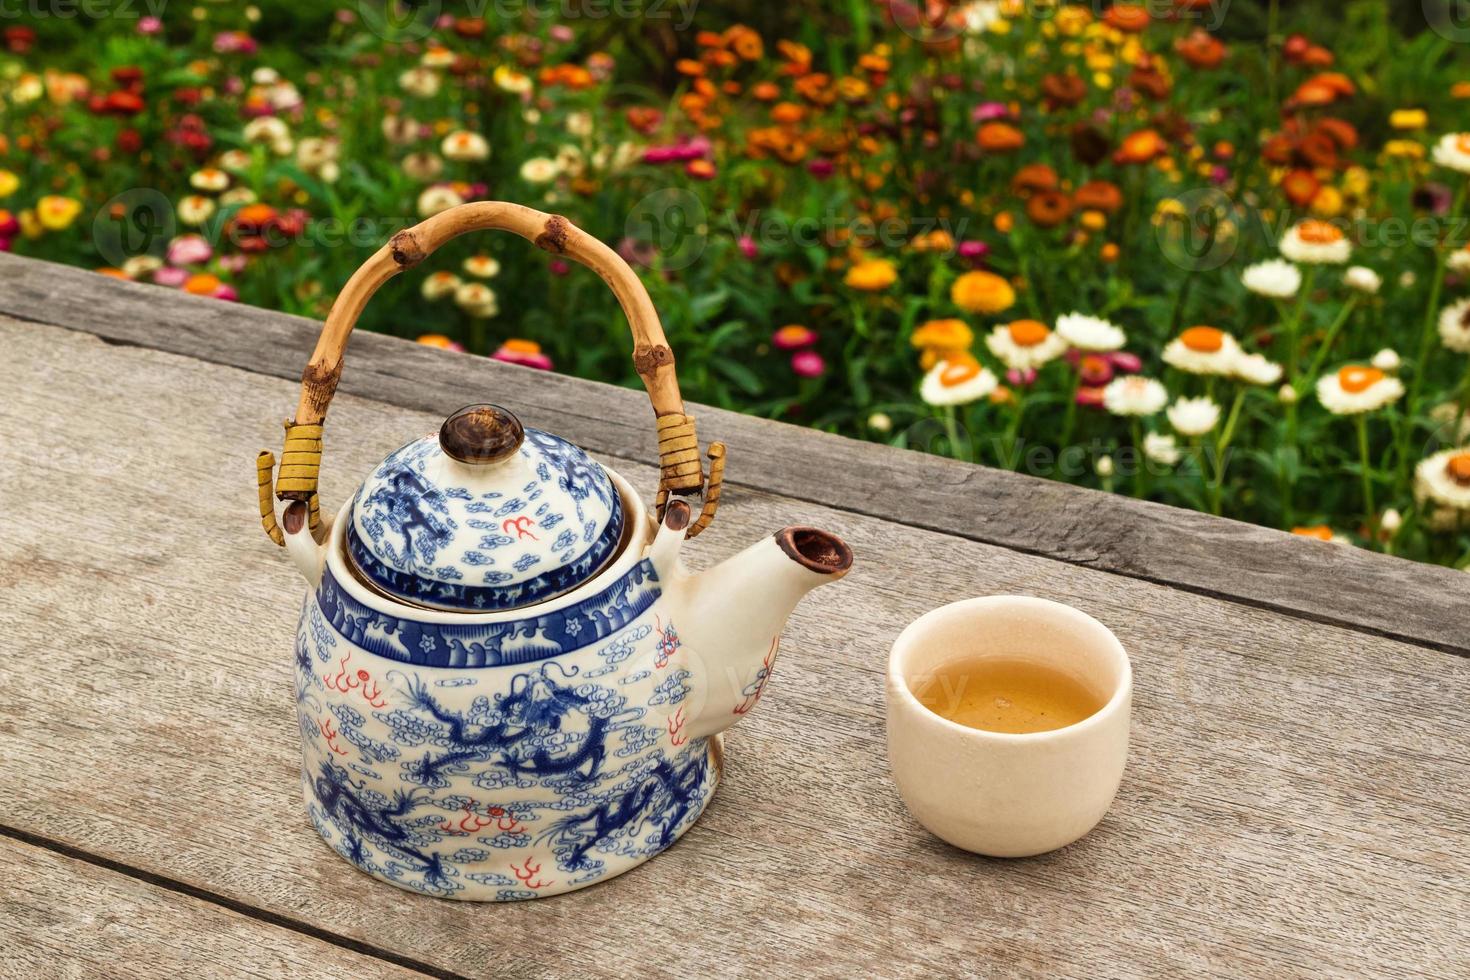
column 55, row 212
column 30, row 225
column 1404, row 148
column 942, row 340
column 1356, row 182
column 1328, row 202
column 9, row 182
column 1408, row 119
column 871, row 275
column 982, row 292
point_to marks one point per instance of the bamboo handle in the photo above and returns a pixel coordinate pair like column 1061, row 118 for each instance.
column 681, row 471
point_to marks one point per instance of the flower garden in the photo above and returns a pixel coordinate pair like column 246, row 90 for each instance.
column 1181, row 250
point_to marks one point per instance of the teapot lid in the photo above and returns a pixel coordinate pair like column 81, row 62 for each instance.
column 485, row 515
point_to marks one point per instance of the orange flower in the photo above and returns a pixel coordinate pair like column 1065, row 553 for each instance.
column 947, row 334
column 202, row 284
column 1340, row 131
column 1320, row 531
column 871, row 275
column 1143, row 146
column 1033, row 177
column 745, row 42
column 1063, row 90
column 690, row 67
column 1200, row 49
column 999, row 137
column 1048, row 208
column 1300, row 187
column 982, row 292
column 816, row 88
column 788, row 113
column 709, row 39
column 1109, row 252
column 766, row 91
column 1132, row 18
column 1099, row 195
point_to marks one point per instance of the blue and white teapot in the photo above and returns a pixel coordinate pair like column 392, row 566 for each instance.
column 507, row 683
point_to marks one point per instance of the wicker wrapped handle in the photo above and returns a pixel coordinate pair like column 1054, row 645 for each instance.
column 680, row 469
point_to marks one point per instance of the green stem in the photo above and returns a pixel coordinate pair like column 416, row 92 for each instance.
column 1232, row 420
column 951, row 431
column 1014, row 429
column 1370, row 512
column 1140, row 471
column 1316, row 369
column 1294, row 325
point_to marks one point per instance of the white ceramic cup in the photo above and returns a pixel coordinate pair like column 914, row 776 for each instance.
column 993, row 793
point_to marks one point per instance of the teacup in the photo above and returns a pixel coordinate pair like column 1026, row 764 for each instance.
column 1007, row 795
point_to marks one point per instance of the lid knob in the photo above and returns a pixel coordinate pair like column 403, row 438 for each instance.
column 481, row 434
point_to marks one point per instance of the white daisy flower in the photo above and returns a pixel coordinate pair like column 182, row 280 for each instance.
column 1135, row 395
column 1161, row 448
column 482, row 266
column 141, row 265
column 507, row 79
column 401, row 130
column 436, row 199
column 1273, row 278
column 1090, row 333
column 438, row 285
column 1454, row 327
column 477, row 299
column 1356, row 389
column 1453, row 152
column 578, row 123
column 1316, row 242
column 420, row 81
column 423, row 166
column 195, row 209
column 1445, row 478
column 1025, row 344
column 1287, row 395
column 235, row 161
column 266, row 129
column 1386, row 360
column 437, row 56
column 314, row 153
column 1203, row 350
column 570, row 161
column 956, row 382
column 539, row 170
column 210, row 180
column 1363, row 279
column 1256, row 369
column 1104, row 467
column 1459, row 260
column 1194, row 416
column 236, row 195
column 1390, row 521
column 465, row 145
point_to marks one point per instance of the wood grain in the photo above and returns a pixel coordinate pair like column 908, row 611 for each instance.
column 63, row 917
column 1246, row 564
column 1294, row 805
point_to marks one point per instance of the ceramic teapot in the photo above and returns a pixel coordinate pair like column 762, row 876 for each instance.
column 508, row 685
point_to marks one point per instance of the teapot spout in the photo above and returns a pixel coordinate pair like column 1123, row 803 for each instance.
column 731, row 617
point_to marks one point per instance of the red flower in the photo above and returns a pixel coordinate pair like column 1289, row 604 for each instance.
column 122, row 103
column 129, row 141
column 18, row 40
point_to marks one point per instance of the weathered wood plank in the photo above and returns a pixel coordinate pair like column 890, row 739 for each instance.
column 1294, row 805
column 1248, row 564
column 63, row 917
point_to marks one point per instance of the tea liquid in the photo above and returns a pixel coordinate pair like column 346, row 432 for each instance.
column 1006, row 695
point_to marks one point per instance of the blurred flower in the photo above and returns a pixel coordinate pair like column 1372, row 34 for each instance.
column 170, row 276
column 526, row 353
column 973, row 251
column 1445, row 478
column 880, row 422
column 1453, row 152
column 420, row 81
column 871, row 275
column 438, row 198
column 438, row 285
column 440, row 341
column 957, row 382
column 1287, row 395
column 793, row 336
column 1090, row 333
column 1161, row 449
column 235, row 161
column 481, row 266
column 1105, row 467
column 999, row 137
column 1134, row 395
column 1025, row 345
column 1315, row 242
column 141, row 265
column 9, row 183
column 1256, row 369
column 423, row 166
column 205, row 284
column 55, row 212
column 747, row 246
column 1194, row 416
column 808, row 364
column 195, row 209
column 1203, row 350
column 1387, row 360
column 1273, row 278
column 1363, row 279
column 1322, row 533
column 477, row 299
column 978, row 291
column 1454, row 326
column 1356, row 388
column 1408, row 119
column 539, row 170
column 209, row 179
column 270, row 131
column 507, row 79
column 149, row 26
column 463, row 145
column 1141, row 147
column 318, row 156
column 189, row 250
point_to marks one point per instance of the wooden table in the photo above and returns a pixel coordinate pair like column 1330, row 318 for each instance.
column 1295, row 803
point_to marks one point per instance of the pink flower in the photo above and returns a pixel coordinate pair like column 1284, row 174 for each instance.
column 1125, row 362
column 170, row 276
column 748, row 247
column 986, row 111
column 234, row 42
column 559, row 267
column 234, row 263
column 1020, row 379
column 6, row 244
column 526, row 353
column 821, row 168
column 973, row 252
column 189, row 250
column 148, row 26
column 226, row 292
column 562, row 33
column 1096, row 369
column 9, row 226
column 636, row 253
column 794, row 337
column 808, row 364
column 1090, row 396
column 680, row 152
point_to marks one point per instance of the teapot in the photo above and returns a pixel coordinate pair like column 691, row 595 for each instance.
column 508, row 684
